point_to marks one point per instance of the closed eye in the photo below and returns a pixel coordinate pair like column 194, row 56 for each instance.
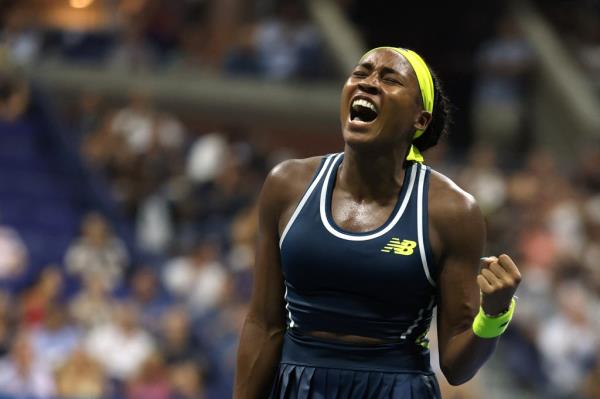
column 359, row 74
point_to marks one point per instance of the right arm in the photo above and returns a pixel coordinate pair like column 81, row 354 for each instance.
column 261, row 339
column 262, row 335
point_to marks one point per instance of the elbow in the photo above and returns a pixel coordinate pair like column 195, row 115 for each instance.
column 456, row 377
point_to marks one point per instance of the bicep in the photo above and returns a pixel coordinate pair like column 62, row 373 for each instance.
column 458, row 295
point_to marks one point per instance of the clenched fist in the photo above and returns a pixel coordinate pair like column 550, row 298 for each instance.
column 498, row 280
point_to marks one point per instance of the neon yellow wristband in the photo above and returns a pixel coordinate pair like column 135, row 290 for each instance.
column 485, row 326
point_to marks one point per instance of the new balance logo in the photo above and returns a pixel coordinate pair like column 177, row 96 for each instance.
column 404, row 247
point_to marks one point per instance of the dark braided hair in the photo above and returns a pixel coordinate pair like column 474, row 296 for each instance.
column 440, row 121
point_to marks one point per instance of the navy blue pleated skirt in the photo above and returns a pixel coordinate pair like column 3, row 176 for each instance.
column 311, row 368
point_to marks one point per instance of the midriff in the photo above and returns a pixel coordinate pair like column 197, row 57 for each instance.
column 347, row 338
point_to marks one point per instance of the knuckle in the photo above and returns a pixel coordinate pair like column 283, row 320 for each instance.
column 517, row 275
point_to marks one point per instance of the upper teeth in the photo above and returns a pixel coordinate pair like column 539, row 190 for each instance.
column 364, row 103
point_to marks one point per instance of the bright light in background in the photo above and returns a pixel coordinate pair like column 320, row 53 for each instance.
column 80, row 3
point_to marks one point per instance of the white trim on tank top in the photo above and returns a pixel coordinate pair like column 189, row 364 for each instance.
column 304, row 199
column 365, row 237
column 420, row 223
column 410, row 329
column 292, row 323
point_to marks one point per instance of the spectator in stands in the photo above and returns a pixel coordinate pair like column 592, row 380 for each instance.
column 151, row 382
column 240, row 257
column 591, row 247
column 81, row 377
column 13, row 253
column 97, row 251
column 150, row 153
column 163, row 26
column 53, row 342
column 588, row 173
column 187, row 382
column 154, row 224
column 7, row 322
column 143, row 127
column 121, row 346
column 87, row 118
column 223, row 330
column 146, row 293
column 233, row 188
column 591, row 388
column 569, row 340
column 14, row 93
column 92, row 306
column 100, row 147
column 42, row 296
column 198, row 279
column 500, row 95
column 484, row 180
column 177, row 341
column 21, row 376
column 20, row 38
column 243, row 59
column 132, row 52
column 288, row 45
column 206, row 158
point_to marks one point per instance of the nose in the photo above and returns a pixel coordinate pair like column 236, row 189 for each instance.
column 368, row 86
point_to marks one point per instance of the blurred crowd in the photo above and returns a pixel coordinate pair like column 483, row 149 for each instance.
column 267, row 39
column 577, row 24
column 107, row 322
column 546, row 214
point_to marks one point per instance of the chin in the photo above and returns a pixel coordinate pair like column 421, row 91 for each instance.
column 362, row 140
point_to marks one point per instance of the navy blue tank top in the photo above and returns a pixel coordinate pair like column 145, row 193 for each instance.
column 377, row 284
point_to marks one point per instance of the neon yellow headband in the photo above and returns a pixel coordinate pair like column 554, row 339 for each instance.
column 425, row 84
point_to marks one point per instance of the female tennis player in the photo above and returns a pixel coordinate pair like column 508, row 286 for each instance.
column 356, row 249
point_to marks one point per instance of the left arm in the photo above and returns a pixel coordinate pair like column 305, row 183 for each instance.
column 458, row 231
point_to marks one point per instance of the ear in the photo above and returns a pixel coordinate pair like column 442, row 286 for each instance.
column 423, row 120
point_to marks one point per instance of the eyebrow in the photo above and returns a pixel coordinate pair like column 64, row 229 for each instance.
column 369, row 66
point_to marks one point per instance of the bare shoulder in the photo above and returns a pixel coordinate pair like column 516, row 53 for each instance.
column 293, row 171
column 446, row 197
column 291, row 175
column 454, row 213
column 286, row 183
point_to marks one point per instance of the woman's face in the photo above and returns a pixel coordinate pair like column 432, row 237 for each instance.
column 381, row 102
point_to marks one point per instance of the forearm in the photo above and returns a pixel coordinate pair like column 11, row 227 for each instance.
column 466, row 352
column 464, row 355
column 258, row 358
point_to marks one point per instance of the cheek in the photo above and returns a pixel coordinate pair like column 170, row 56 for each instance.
column 348, row 88
column 400, row 116
column 345, row 98
column 404, row 107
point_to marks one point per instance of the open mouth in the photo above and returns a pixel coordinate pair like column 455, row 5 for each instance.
column 363, row 110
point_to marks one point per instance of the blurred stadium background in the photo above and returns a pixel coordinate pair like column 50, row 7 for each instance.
column 135, row 135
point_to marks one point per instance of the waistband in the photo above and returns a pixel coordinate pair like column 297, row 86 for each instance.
column 315, row 352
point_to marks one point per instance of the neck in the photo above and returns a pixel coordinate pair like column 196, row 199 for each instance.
column 372, row 175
